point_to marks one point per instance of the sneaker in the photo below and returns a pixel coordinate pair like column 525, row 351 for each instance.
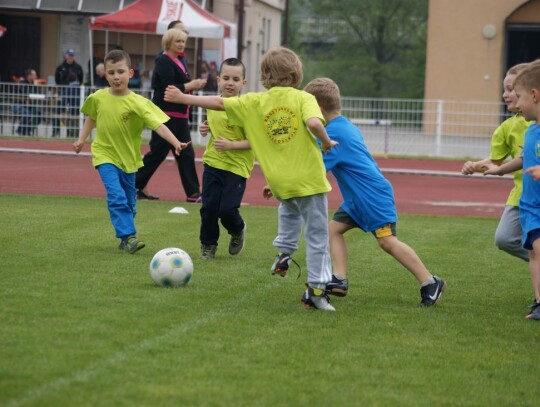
column 236, row 245
column 281, row 264
column 431, row 293
column 534, row 313
column 317, row 299
column 141, row 196
column 208, row 251
column 131, row 244
column 337, row 287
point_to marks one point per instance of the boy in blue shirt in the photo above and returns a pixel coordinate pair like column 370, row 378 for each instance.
column 368, row 198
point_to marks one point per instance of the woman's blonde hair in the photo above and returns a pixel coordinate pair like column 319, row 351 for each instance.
column 326, row 91
column 281, row 67
column 170, row 36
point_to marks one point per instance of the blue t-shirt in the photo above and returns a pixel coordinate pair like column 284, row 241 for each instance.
column 529, row 203
column 368, row 197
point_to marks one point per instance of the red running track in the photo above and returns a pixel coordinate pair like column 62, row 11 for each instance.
column 43, row 167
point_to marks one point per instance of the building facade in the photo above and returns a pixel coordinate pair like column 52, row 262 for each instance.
column 471, row 44
column 39, row 32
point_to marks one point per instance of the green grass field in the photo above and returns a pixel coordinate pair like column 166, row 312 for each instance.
column 82, row 324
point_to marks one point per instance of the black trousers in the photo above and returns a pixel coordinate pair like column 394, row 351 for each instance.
column 222, row 195
column 159, row 148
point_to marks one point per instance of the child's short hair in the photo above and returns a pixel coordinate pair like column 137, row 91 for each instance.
column 529, row 78
column 117, row 55
column 326, row 91
column 233, row 62
column 281, row 67
column 514, row 70
column 174, row 34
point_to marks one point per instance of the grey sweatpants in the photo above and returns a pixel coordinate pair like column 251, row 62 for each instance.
column 311, row 212
column 509, row 234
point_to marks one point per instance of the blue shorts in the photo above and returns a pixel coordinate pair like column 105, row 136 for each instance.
column 531, row 237
column 384, row 231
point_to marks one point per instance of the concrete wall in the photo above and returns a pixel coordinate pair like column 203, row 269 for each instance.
column 463, row 62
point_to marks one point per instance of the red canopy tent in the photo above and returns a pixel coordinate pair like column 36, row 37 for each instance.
column 153, row 17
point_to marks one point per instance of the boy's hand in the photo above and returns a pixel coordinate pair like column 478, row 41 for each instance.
column 493, row 170
column 328, row 146
column 267, row 192
column 222, row 144
column 173, row 95
column 77, row 146
column 534, row 172
column 468, row 168
column 204, row 128
column 180, row 146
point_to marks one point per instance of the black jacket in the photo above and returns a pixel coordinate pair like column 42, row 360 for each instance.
column 64, row 69
column 166, row 73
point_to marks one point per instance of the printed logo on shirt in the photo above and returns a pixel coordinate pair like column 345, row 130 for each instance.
column 281, row 124
column 538, row 149
column 125, row 116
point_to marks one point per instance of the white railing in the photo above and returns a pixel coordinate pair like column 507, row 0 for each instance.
column 390, row 126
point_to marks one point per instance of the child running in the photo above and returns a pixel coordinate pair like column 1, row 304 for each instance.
column 119, row 116
column 368, row 198
column 228, row 162
column 279, row 124
column 527, row 88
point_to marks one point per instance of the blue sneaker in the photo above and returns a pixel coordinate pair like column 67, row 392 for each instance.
column 337, row 287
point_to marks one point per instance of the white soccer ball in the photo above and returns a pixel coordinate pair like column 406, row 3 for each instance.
column 171, row 267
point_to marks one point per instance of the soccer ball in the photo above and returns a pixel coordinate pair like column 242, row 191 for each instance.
column 171, row 267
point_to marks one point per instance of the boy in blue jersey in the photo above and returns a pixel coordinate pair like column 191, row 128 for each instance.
column 368, row 198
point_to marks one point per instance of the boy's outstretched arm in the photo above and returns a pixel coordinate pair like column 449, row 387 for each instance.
column 88, row 125
column 175, row 95
column 506, row 168
column 164, row 132
column 316, row 127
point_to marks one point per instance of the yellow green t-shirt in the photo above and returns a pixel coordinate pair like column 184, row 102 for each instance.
column 274, row 123
column 120, row 121
column 239, row 162
column 507, row 140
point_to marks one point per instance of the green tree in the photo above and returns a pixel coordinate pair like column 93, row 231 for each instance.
column 371, row 48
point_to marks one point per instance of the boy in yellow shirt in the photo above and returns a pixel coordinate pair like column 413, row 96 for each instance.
column 228, row 162
column 279, row 124
column 119, row 116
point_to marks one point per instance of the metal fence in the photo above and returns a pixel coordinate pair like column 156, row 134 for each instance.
column 434, row 128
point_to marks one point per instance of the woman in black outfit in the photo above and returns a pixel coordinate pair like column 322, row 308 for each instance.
column 169, row 70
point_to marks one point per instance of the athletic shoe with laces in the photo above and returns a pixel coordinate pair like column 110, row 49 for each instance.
column 534, row 313
column 431, row 293
column 131, row 244
column 337, row 287
column 281, row 264
column 208, row 251
column 316, row 298
column 236, row 243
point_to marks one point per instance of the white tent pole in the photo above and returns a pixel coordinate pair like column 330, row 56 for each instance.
column 91, row 58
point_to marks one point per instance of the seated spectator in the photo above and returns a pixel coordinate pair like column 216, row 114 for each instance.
column 24, row 110
column 100, row 80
